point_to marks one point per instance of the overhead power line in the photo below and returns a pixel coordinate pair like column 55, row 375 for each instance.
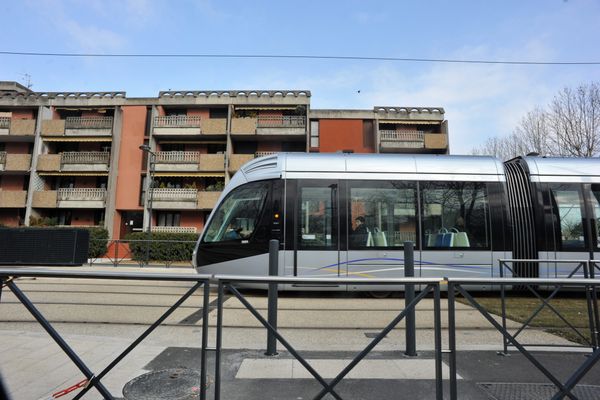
column 297, row 56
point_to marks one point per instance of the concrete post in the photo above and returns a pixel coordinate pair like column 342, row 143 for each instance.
column 272, row 309
column 409, row 296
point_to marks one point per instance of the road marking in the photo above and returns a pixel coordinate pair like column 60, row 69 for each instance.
column 329, row 368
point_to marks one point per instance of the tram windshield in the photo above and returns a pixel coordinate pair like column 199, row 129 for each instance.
column 237, row 216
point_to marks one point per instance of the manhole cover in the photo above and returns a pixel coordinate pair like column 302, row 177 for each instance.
column 175, row 384
column 536, row 391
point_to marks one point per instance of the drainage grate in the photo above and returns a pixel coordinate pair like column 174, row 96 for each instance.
column 535, row 391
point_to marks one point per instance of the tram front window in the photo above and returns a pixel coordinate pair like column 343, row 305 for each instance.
column 237, row 216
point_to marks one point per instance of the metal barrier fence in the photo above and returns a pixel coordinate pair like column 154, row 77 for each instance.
column 154, row 253
column 460, row 286
column 94, row 379
column 430, row 287
column 582, row 267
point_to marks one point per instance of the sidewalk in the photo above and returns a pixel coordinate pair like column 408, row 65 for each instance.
column 34, row 368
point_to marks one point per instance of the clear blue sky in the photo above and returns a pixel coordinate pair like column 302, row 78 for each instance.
column 480, row 100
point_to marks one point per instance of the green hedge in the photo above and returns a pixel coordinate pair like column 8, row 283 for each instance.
column 161, row 250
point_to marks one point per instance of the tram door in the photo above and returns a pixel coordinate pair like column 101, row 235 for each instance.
column 570, row 227
column 317, row 230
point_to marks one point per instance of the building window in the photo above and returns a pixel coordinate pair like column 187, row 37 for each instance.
column 314, row 133
column 168, row 218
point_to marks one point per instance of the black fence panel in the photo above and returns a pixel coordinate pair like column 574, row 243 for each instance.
column 43, row 246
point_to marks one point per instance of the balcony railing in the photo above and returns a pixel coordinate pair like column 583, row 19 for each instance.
column 177, row 157
column 89, row 123
column 162, row 194
column 81, row 194
column 2, row 157
column 264, row 153
column 412, row 139
column 4, row 122
column 175, row 229
column 283, row 121
column 177, row 121
column 85, row 157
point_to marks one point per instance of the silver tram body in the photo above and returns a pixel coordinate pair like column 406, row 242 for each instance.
column 462, row 212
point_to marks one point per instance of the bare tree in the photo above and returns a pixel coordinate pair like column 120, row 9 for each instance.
column 574, row 118
column 532, row 133
column 569, row 127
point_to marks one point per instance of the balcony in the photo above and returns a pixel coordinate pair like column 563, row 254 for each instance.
column 70, row 198
column 207, row 200
column 14, row 162
column 177, row 125
column 174, row 198
column 184, row 199
column 401, row 140
column 188, row 161
column 237, row 160
column 284, row 125
column 85, row 161
column 17, row 127
column 78, row 126
column 436, row 141
column 13, row 199
column 75, row 161
column 81, row 198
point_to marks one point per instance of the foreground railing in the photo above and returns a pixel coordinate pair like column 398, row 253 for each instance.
column 429, row 287
column 574, row 269
column 462, row 287
column 93, row 379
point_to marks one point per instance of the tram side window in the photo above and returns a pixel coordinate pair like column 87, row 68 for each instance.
column 566, row 204
column 316, row 218
column 455, row 215
column 382, row 214
column 237, row 216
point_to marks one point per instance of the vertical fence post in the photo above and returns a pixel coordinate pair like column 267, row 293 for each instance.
column 272, row 309
column 504, row 352
column 409, row 296
column 588, row 274
column 219, row 340
column 452, row 340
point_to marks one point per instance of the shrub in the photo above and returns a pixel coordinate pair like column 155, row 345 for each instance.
column 178, row 248
column 42, row 221
column 98, row 242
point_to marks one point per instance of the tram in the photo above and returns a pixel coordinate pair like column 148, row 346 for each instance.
column 348, row 215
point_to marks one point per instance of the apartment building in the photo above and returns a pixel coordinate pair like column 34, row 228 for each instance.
column 74, row 158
